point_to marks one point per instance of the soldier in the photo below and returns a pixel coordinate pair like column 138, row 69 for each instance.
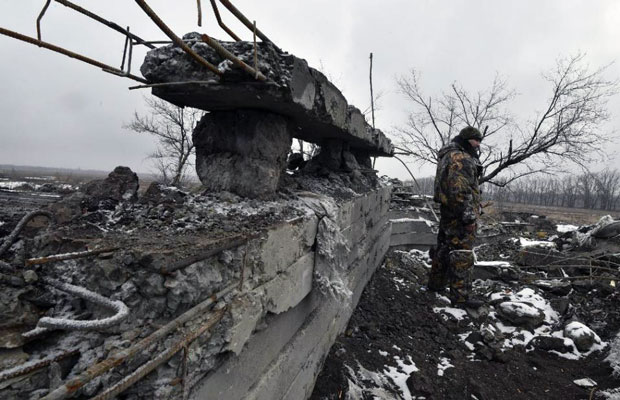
column 457, row 192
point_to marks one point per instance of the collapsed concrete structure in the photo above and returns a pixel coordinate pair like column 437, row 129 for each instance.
column 252, row 122
column 214, row 295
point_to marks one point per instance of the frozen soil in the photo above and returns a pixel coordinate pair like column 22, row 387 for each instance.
column 404, row 342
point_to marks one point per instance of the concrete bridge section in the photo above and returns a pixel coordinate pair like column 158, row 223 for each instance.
column 316, row 108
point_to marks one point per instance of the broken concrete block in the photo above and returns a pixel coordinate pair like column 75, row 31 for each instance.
column 291, row 286
column 521, row 314
column 245, row 313
column 243, row 151
column 285, row 244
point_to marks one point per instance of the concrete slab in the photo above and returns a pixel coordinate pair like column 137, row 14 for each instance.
column 316, row 108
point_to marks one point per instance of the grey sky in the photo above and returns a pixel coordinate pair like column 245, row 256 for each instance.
column 55, row 111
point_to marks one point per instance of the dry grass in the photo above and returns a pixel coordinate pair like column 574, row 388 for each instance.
column 575, row 216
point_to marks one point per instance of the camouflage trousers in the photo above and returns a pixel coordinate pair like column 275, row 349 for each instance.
column 453, row 260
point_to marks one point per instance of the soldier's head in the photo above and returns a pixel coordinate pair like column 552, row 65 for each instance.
column 472, row 135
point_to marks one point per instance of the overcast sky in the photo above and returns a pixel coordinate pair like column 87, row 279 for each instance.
column 55, row 111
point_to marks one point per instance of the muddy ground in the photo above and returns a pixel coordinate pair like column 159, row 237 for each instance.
column 405, row 342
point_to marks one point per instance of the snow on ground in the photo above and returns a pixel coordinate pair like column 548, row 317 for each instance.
column 539, row 243
column 457, row 313
column 400, row 374
column 428, row 222
column 614, row 356
column 444, row 364
column 566, row 228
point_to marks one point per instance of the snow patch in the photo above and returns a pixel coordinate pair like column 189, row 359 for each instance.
column 400, row 374
column 457, row 313
column 538, row 243
column 444, row 364
column 566, row 228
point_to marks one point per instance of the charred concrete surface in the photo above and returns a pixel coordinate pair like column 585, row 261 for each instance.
column 292, row 270
column 317, row 110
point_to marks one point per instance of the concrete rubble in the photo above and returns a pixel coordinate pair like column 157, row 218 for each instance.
column 166, row 251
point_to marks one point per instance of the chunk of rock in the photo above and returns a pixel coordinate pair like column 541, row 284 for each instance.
column 521, row 314
column 583, row 336
column 551, row 343
column 120, row 185
column 158, row 193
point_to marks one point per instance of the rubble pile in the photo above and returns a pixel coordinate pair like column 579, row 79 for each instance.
column 549, row 329
column 110, row 268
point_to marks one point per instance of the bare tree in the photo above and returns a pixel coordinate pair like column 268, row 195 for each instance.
column 567, row 130
column 172, row 127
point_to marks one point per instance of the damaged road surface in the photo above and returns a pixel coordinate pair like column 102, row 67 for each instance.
column 537, row 337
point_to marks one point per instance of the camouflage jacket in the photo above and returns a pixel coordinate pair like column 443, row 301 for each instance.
column 456, row 184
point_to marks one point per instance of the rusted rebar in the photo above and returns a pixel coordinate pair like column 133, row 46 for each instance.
column 199, row 13
column 105, row 22
column 161, row 358
column 8, row 241
column 69, row 53
column 41, row 14
column 217, row 248
column 31, row 366
column 100, row 368
column 221, row 23
column 246, row 21
column 230, row 56
column 255, row 52
column 68, row 256
column 177, row 40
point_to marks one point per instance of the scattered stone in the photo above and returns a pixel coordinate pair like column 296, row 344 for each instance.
column 583, row 336
column 521, row 314
column 550, row 343
column 585, row 382
column 30, row 276
column 120, row 185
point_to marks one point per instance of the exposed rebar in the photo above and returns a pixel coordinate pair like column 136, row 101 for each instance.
column 105, row 22
column 199, row 13
column 246, row 21
column 217, row 248
column 69, row 53
column 221, row 24
column 8, row 241
column 41, row 14
column 177, row 40
column 31, row 366
column 120, row 309
column 160, row 359
column 100, row 368
column 227, row 54
column 68, row 256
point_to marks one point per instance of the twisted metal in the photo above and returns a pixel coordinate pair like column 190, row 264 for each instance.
column 8, row 241
column 102, row 367
column 120, row 309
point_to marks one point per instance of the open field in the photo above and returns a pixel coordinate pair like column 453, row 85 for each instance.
column 575, row 216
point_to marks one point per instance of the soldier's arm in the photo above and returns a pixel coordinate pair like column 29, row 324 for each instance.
column 460, row 178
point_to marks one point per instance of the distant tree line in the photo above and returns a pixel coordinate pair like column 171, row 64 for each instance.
column 591, row 190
